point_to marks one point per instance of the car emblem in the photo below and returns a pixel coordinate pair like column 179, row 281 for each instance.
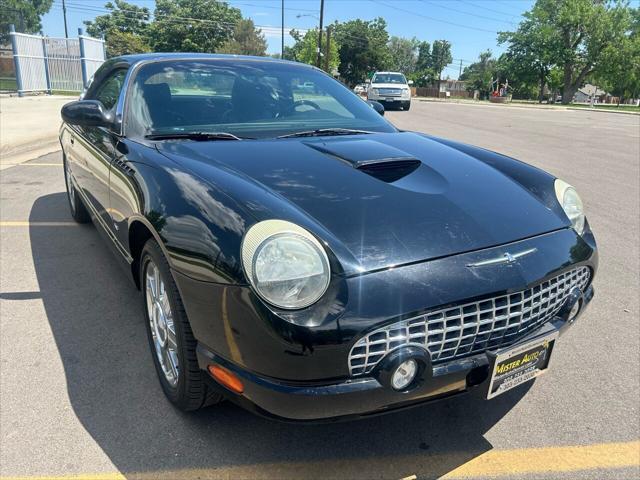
column 508, row 258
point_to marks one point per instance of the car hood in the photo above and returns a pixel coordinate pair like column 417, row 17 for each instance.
column 388, row 199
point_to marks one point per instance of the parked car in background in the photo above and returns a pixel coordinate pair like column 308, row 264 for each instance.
column 303, row 257
column 391, row 89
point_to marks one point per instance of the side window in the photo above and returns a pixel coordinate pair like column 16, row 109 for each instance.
column 109, row 91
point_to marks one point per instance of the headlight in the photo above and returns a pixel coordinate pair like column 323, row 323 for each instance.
column 285, row 264
column 571, row 204
column 374, row 91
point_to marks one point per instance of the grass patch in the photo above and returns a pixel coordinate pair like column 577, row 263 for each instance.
column 8, row 83
column 65, row 92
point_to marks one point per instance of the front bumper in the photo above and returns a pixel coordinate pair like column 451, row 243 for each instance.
column 369, row 395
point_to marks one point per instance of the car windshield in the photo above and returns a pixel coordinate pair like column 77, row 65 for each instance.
column 243, row 97
column 388, row 78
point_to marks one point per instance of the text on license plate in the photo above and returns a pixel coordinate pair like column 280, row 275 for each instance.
column 519, row 364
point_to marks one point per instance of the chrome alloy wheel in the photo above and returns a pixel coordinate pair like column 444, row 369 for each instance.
column 161, row 323
column 70, row 190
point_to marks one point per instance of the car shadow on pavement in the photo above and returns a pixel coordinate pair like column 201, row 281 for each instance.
column 95, row 314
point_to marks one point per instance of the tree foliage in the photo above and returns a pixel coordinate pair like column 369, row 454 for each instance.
column 192, row 25
column 306, row 47
column 362, row 48
column 423, row 75
column 24, row 14
column 125, row 28
column 619, row 72
column 403, row 53
column 125, row 43
column 124, row 17
column 440, row 57
column 246, row 40
column 576, row 35
column 530, row 56
column 478, row 75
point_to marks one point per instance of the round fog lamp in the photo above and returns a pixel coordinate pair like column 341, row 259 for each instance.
column 574, row 311
column 404, row 374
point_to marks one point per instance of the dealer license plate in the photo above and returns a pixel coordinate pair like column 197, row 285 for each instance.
column 520, row 364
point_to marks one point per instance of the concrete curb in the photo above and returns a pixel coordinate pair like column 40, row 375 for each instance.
column 603, row 110
column 523, row 105
column 9, row 161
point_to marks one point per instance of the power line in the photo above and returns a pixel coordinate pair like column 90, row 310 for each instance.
column 141, row 14
column 492, row 10
column 395, row 7
column 273, row 7
column 493, row 19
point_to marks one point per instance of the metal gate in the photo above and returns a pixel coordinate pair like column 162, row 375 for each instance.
column 44, row 64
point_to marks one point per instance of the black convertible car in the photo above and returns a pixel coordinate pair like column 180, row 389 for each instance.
column 301, row 256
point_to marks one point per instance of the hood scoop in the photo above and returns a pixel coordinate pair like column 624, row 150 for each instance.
column 391, row 169
column 381, row 161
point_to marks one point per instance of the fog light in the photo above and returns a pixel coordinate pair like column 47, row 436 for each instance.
column 404, row 374
column 575, row 309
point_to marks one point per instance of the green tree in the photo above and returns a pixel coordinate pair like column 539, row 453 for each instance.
column 440, row 58
column 576, row 35
column 403, row 54
column 619, row 73
column 125, row 43
column 24, row 14
column 362, row 48
column 305, row 49
column 478, row 75
column 423, row 74
column 122, row 16
column 192, row 25
column 125, row 28
column 530, row 54
column 246, row 40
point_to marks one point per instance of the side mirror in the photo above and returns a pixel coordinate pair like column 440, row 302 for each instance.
column 410, row 82
column 86, row 113
column 368, row 80
column 377, row 106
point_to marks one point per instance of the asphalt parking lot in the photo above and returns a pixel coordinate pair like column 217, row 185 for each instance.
column 79, row 397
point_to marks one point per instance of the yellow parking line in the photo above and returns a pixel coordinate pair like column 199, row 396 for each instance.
column 494, row 463
column 37, row 224
column 550, row 460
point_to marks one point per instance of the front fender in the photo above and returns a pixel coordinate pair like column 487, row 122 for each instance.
column 199, row 228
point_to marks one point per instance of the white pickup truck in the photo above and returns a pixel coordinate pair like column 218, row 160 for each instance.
column 390, row 89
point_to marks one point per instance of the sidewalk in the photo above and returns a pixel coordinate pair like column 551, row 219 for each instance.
column 29, row 127
column 543, row 106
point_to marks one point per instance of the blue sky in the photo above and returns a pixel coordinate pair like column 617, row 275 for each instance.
column 470, row 25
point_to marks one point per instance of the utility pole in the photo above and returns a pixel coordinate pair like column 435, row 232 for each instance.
column 328, row 54
column 64, row 15
column 460, row 73
column 282, row 45
column 318, row 64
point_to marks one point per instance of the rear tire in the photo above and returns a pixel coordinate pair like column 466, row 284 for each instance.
column 76, row 205
column 166, row 321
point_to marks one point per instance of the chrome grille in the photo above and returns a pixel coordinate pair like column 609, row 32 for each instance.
column 390, row 91
column 470, row 328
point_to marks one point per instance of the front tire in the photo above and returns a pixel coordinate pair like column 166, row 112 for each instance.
column 76, row 206
column 406, row 106
column 171, row 340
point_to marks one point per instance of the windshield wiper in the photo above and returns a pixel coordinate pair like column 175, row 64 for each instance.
column 200, row 136
column 321, row 132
